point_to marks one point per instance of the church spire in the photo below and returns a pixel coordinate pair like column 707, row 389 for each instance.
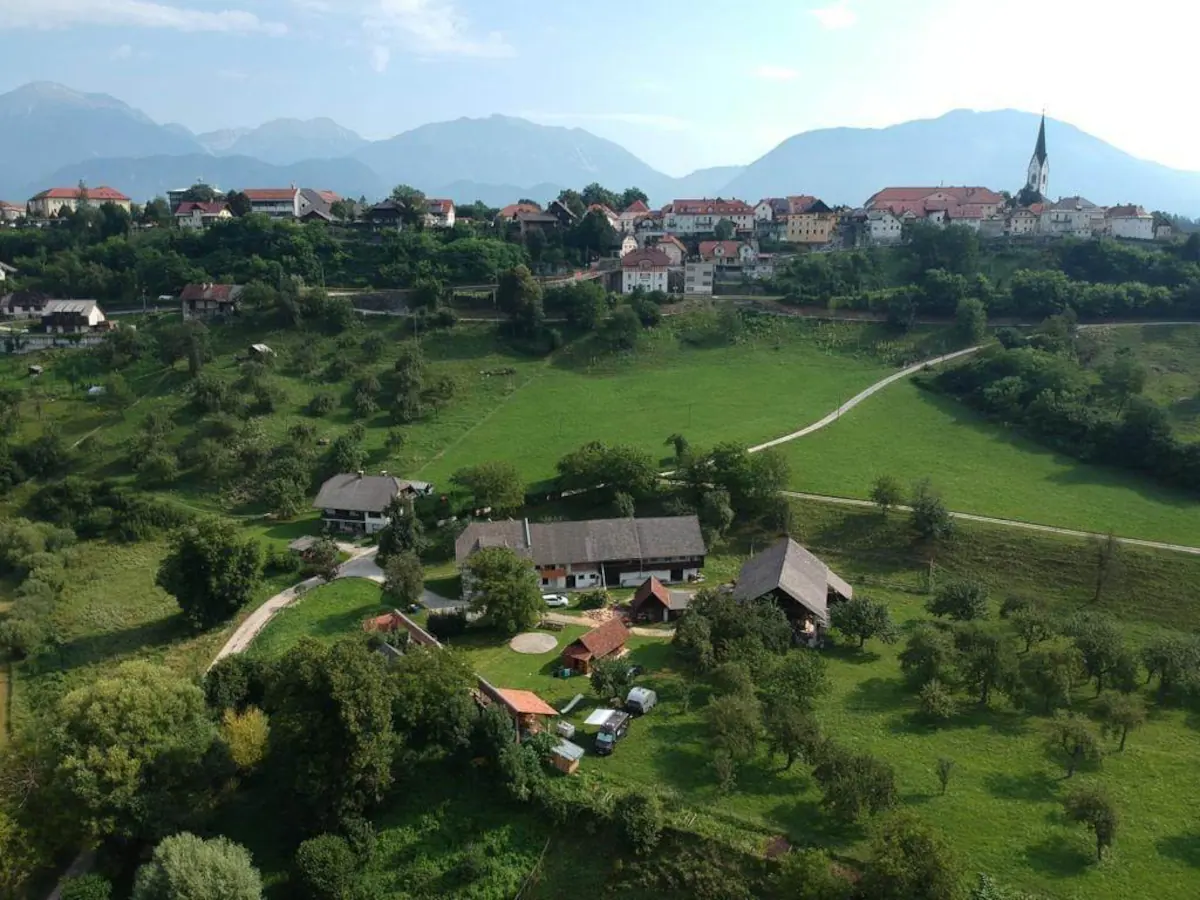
column 1039, row 152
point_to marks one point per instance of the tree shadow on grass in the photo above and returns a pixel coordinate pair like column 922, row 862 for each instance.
column 1008, row 723
column 89, row 649
column 878, row 695
column 1058, row 856
column 806, row 821
column 851, row 653
column 680, row 760
column 1184, row 848
column 1033, row 787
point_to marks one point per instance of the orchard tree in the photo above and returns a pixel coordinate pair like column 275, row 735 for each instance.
column 184, row 865
column 492, row 484
column 886, row 492
column 863, row 619
column 929, row 654
column 735, row 722
column 1175, row 660
column 322, row 559
column 962, row 601
column 210, row 572
column 854, row 785
column 641, row 819
column 985, row 660
column 935, row 702
column 1089, row 805
column 1106, row 553
column 931, row 521
column 610, row 678
column 504, row 588
column 1101, row 645
column 1120, row 714
column 791, row 732
column 1033, row 625
column 1073, row 738
column 1050, row 677
column 909, row 860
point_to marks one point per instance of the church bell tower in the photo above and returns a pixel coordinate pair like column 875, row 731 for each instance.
column 1038, row 178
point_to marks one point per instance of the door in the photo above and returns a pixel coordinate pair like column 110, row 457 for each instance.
column 677, row 574
column 570, row 582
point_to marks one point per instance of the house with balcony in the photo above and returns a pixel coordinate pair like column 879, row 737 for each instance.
column 702, row 216
column 194, row 215
column 71, row 316
column 646, row 269
column 355, row 503
column 276, row 203
column 596, row 553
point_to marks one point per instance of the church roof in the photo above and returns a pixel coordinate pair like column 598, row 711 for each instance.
column 1039, row 152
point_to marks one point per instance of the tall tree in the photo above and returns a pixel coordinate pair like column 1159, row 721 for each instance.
column 410, row 203
column 504, row 588
column 1091, row 806
column 1106, row 553
column 520, row 296
column 130, row 749
column 210, row 571
column 404, row 579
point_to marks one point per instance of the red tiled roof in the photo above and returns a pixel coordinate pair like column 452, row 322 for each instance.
column 100, row 194
column 969, row 211
column 671, row 239
column 444, row 207
column 267, row 194
column 729, row 249
column 637, row 206
column 329, row 197
column 655, row 258
column 222, row 293
column 797, row 205
column 923, row 199
column 388, row 622
column 599, row 642
column 525, row 703
column 651, row 587
column 213, row 208
column 513, row 208
column 711, row 207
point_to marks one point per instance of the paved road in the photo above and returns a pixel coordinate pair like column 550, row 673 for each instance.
column 859, row 398
column 1009, row 523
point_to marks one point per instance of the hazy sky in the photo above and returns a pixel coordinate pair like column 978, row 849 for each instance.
column 682, row 83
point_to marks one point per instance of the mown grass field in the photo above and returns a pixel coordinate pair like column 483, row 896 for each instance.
column 326, row 613
column 983, row 468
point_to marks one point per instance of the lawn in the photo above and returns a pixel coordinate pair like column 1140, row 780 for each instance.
column 983, row 468
column 326, row 613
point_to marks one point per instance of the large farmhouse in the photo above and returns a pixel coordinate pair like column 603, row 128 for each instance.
column 803, row 586
column 357, row 504
column 596, row 553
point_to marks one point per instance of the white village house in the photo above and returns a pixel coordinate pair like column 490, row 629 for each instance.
column 645, row 269
column 355, row 503
column 596, row 553
column 1131, row 222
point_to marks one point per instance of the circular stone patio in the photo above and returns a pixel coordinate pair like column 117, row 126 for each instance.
column 533, row 643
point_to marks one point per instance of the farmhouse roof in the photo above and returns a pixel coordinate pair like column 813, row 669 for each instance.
column 603, row 209
column 1127, row 212
column 101, row 194
column 74, row 307
column 525, row 703
column 673, row 241
column 720, row 249
column 213, row 208
column 441, row 207
column 637, row 206
column 512, row 209
column 788, row 567
column 599, row 642
column 799, row 204
column 646, row 257
column 221, row 293
column 359, row 493
column 1065, row 204
column 711, row 207
column 537, row 218
column 263, row 195
column 594, row 541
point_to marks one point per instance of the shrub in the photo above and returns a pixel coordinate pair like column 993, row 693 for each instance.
column 640, row 818
column 326, row 868
column 322, row 404
column 86, row 887
column 936, row 703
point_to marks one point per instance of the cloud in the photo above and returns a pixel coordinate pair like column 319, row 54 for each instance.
column 123, row 52
column 648, row 120
column 776, row 73
column 135, row 13
column 433, row 28
column 839, row 15
column 380, row 56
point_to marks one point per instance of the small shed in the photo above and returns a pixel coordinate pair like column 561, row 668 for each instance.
column 567, row 756
column 653, row 602
column 261, row 351
column 599, row 643
column 35, row 371
column 529, row 711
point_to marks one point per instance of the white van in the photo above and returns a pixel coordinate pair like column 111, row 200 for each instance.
column 640, row 701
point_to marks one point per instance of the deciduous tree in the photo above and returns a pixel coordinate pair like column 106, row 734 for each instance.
column 504, row 588
column 931, row 521
column 910, row 861
column 184, row 865
column 1072, row 736
column 854, row 785
column 403, row 579
column 962, row 601
column 1120, row 714
column 610, row 678
column 210, row 571
column 1089, row 805
column 886, row 492
column 791, row 731
column 496, row 484
column 929, row 653
column 862, row 619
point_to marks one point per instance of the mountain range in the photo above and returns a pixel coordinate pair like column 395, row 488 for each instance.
column 53, row 135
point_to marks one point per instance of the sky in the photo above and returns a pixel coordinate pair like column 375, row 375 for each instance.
column 684, row 84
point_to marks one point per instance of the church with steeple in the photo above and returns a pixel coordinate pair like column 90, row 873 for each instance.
column 1038, row 178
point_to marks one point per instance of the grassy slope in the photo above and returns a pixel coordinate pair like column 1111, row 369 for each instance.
column 982, row 468
column 1171, row 355
column 326, row 613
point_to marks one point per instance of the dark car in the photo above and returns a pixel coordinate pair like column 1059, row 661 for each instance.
column 615, row 728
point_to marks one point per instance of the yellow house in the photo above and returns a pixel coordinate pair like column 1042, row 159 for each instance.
column 815, row 223
column 52, row 202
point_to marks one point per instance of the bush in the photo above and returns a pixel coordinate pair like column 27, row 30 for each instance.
column 936, row 703
column 86, row 887
column 326, row 868
column 322, row 404
column 640, row 818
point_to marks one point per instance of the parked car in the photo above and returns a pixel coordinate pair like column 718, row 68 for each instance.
column 556, row 601
column 640, row 701
column 614, row 728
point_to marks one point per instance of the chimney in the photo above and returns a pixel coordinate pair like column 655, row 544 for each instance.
column 360, row 474
column 528, row 539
